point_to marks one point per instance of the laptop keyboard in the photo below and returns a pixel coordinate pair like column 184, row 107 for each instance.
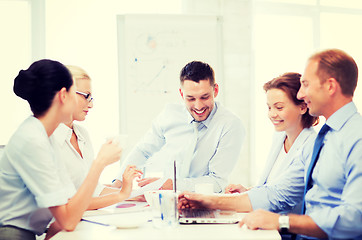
column 197, row 213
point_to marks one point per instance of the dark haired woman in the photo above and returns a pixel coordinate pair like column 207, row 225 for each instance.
column 292, row 124
column 34, row 187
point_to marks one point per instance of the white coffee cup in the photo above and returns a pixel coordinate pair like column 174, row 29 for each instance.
column 120, row 139
column 204, row 188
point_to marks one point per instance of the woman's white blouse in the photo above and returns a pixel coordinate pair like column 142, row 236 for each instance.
column 77, row 165
column 32, row 179
column 281, row 164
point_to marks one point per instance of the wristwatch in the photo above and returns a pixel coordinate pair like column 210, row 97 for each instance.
column 284, row 223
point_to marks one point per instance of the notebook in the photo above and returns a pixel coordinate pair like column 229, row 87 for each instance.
column 192, row 216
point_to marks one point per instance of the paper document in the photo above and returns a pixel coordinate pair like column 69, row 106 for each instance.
column 152, row 186
column 120, row 220
column 121, row 207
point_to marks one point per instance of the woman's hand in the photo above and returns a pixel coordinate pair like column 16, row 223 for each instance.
column 109, row 153
column 129, row 174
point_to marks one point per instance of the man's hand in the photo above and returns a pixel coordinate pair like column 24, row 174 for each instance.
column 194, row 200
column 145, row 181
column 235, row 188
column 261, row 219
column 140, row 198
column 168, row 185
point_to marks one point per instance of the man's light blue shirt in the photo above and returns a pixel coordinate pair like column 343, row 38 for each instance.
column 335, row 200
column 217, row 150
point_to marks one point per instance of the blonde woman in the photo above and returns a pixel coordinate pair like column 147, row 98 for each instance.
column 74, row 146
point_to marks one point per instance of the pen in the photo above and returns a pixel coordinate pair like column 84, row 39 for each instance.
column 161, row 208
column 174, row 175
column 103, row 224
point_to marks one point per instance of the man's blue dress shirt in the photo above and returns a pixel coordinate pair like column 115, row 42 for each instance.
column 335, row 200
column 217, row 150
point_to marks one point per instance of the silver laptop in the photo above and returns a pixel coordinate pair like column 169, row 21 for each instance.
column 193, row 216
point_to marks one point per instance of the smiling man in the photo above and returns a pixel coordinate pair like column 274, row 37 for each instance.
column 202, row 136
column 333, row 174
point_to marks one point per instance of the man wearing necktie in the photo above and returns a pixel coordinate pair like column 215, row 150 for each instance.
column 201, row 136
column 333, row 175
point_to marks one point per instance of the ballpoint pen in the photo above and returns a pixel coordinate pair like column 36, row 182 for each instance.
column 161, row 206
column 99, row 223
column 174, row 175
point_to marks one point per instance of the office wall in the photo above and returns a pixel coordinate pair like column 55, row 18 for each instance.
column 15, row 49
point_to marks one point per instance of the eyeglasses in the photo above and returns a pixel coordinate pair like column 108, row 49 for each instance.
column 87, row 96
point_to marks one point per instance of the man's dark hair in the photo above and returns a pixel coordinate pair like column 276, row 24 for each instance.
column 196, row 71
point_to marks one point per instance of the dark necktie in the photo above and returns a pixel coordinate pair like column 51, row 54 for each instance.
column 318, row 144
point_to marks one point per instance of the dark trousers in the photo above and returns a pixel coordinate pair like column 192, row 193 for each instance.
column 15, row 233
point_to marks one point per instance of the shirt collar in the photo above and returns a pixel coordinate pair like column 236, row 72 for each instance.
column 206, row 122
column 341, row 116
column 62, row 133
column 78, row 133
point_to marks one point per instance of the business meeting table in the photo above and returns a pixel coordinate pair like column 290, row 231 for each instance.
column 134, row 224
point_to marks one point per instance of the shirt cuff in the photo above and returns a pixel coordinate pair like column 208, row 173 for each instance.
column 55, row 198
column 319, row 217
column 259, row 199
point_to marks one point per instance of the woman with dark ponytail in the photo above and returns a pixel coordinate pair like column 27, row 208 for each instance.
column 34, row 185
